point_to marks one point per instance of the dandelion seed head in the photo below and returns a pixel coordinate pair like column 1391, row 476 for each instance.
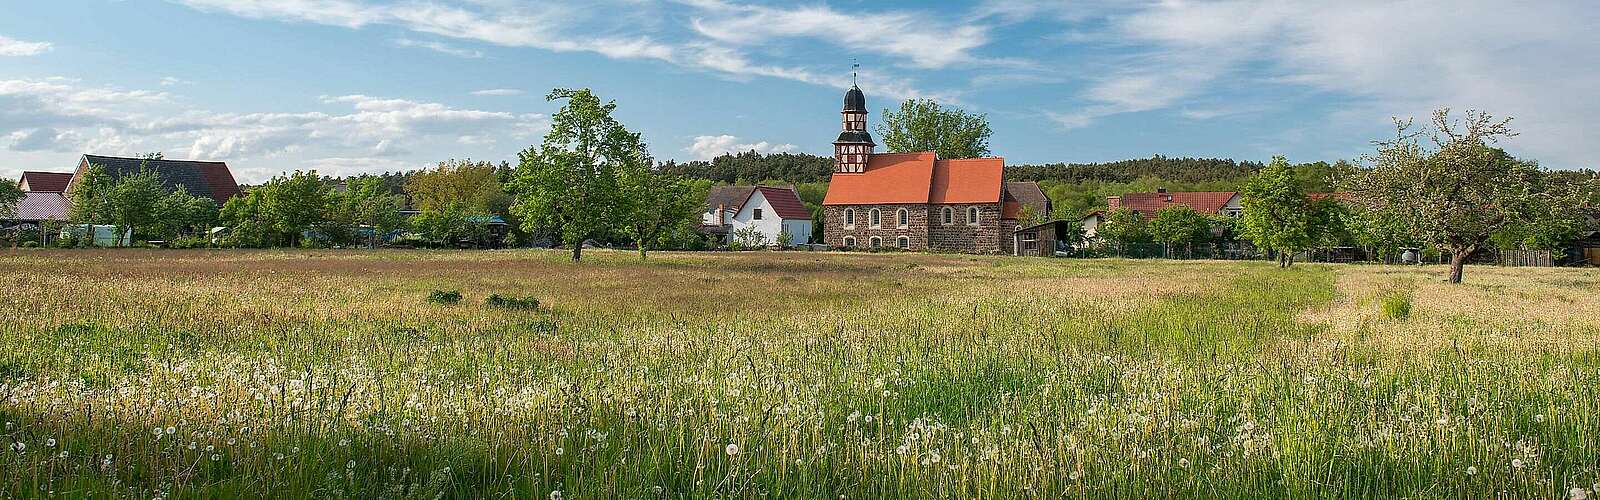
column 732, row 449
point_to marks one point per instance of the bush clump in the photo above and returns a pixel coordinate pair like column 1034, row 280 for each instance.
column 1396, row 305
column 444, row 297
column 511, row 302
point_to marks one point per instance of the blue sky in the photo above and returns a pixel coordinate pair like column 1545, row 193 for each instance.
column 348, row 86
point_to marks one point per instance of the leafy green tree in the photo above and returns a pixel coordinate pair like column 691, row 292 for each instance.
column 473, row 186
column 1122, row 228
column 924, row 125
column 10, row 196
column 248, row 224
column 1180, row 225
column 133, row 202
column 1277, row 215
column 1456, row 192
column 179, row 214
column 366, row 201
column 569, row 185
column 294, row 203
column 91, row 200
column 654, row 205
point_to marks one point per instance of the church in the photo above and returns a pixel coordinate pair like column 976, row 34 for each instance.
column 918, row 201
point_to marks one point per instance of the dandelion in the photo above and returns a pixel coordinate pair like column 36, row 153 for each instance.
column 1472, row 470
column 159, row 432
column 560, row 451
column 1183, row 462
column 933, row 457
column 172, row 430
column 1577, row 493
column 1539, row 418
column 732, row 449
column 215, row 457
column 1516, row 463
column 555, row 495
column 50, row 443
column 19, row 446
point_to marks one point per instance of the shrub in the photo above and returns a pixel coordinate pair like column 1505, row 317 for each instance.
column 444, row 298
column 189, row 242
column 1396, row 305
column 511, row 302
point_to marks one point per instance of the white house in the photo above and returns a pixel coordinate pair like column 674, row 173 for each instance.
column 771, row 211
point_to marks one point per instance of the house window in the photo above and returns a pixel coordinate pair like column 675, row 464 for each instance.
column 849, row 218
column 947, row 216
column 757, row 214
column 904, row 243
column 875, row 218
column 849, row 242
column 876, row 242
column 902, row 218
column 972, row 215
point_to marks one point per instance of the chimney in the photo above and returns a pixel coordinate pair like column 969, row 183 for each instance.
column 722, row 208
column 1161, row 190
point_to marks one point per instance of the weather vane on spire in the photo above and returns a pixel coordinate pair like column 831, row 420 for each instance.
column 855, row 67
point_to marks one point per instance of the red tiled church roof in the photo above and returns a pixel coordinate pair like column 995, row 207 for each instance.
column 46, row 182
column 919, row 178
column 785, row 202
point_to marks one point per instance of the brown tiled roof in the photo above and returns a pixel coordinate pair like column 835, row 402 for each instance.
column 41, row 206
column 1147, row 204
column 728, row 197
column 918, row 178
column 1029, row 195
column 785, row 202
column 45, row 182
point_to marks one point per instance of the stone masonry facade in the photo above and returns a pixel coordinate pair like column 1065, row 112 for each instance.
column 925, row 229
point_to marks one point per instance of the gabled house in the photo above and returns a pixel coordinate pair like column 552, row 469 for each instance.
column 770, row 210
column 200, row 178
column 918, row 201
column 44, row 182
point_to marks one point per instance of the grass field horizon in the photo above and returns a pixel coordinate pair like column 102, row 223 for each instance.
column 325, row 374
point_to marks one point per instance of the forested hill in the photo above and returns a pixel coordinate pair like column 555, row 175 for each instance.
column 751, row 167
column 1174, row 169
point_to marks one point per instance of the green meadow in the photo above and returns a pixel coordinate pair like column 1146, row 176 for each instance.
column 330, row 374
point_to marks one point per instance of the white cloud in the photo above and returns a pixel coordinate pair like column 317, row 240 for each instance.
column 1538, row 62
column 169, row 81
column 65, row 116
column 563, row 28
column 13, row 47
column 920, row 38
column 706, row 147
column 441, row 48
column 497, row 92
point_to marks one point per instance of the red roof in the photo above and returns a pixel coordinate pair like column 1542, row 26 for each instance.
column 1146, row 204
column 46, row 182
column 41, row 206
column 890, row 178
column 918, row 178
column 785, row 202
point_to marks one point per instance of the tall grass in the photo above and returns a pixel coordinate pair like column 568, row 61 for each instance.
column 778, row 375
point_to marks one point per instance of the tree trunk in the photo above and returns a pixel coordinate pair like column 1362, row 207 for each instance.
column 577, row 251
column 643, row 251
column 1458, row 263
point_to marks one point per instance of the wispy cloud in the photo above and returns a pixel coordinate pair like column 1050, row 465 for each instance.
column 439, row 47
column 18, row 48
column 497, row 92
column 706, row 147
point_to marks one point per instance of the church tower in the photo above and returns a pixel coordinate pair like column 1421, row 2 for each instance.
column 854, row 145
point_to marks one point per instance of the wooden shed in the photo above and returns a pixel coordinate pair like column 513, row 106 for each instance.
column 1042, row 240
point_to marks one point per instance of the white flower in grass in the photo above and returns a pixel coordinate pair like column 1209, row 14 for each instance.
column 732, row 449
column 1183, row 462
column 50, row 443
column 901, row 450
column 350, row 465
column 215, row 457
column 159, row 433
column 63, row 454
column 555, row 495
column 1516, row 463
column 1539, row 418
column 19, row 447
column 1577, row 493
column 933, row 457
column 560, row 451
column 1472, row 470
column 854, row 416
column 172, row 430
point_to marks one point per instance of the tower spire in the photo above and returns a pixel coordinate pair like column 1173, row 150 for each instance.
column 855, row 67
column 854, row 146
